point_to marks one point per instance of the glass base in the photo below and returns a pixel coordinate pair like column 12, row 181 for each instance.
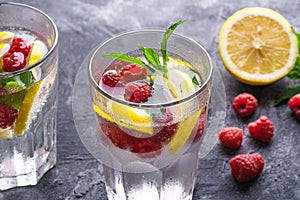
column 29, row 172
column 25, row 159
column 174, row 182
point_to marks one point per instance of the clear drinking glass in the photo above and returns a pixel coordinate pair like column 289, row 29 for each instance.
column 28, row 144
column 169, row 171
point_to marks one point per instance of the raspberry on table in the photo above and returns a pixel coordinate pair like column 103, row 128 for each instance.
column 245, row 167
column 132, row 72
column 111, row 78
column 231, row 137
column 262, row 129
column 294, row 104
column 8, row 115
column 244, row 104
column 13, row 61
column 21, row 45
column 137, row 92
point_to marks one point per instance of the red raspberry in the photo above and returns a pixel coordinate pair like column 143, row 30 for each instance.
column 168, row 129
column 137, row 92
column 13, row 62
column 245, row 167
column 21, row 45
column 111, row 78
column 244, row 104
column 231, row 137
column 145, row 145
column 132, row 72
column 121, row 139
column 8, row 116
column 262, row 129
column 294, row 104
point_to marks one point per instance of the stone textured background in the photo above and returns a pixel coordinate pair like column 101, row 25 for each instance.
column 84, row 24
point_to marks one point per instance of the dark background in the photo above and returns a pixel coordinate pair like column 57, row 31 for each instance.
column 84, row 24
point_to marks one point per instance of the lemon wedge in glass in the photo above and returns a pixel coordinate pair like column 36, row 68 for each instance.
column 128, row 117
column 6, row 36
column 23, row 120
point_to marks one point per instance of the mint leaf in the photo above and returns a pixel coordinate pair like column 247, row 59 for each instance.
column 152, row 57
column 295, row 72
column 124, row 57
column 163, row 45
column 287, row 94
column 195, row 81
column 25, row 79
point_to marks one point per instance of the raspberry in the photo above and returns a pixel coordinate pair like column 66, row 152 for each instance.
column 262, row 129
column 121, row 139
column 111, row 78
column 8, row 116
column 13, row 61
column 168, row 130
column 21, row 45
column 137, row 92
column 132, row 72
column 244, row 104
column 245, row 167
column 231, row 137
column 294, row 104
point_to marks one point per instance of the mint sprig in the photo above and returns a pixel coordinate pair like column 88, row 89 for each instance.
column 293, row 74
column 163, row 46
column 151, row 56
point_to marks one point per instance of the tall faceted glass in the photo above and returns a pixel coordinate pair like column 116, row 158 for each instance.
column 28, row 97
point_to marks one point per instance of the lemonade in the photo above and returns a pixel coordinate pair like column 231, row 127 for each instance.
column 28, row 84
column 150, row 122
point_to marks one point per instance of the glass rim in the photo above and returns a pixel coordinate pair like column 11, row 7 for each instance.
column 53, row 46
column 157, row 105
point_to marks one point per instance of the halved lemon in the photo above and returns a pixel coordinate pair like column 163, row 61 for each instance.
column 258, row 46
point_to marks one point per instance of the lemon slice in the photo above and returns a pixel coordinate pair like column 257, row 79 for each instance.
column 128, row 117
column 184, row 131
column 179, row 84
column 5, row 134
column 21, row 122
column 38, row 51
column 6, row 36
column 4, row 48
column 258, row 46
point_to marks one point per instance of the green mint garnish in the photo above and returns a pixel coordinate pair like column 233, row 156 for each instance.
column 124, row 57
column 287, row 94
column 25, row 79
column 152, row 57
column 195, row 81
column 163, row 46
column 293, row 74
column 16, row 86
